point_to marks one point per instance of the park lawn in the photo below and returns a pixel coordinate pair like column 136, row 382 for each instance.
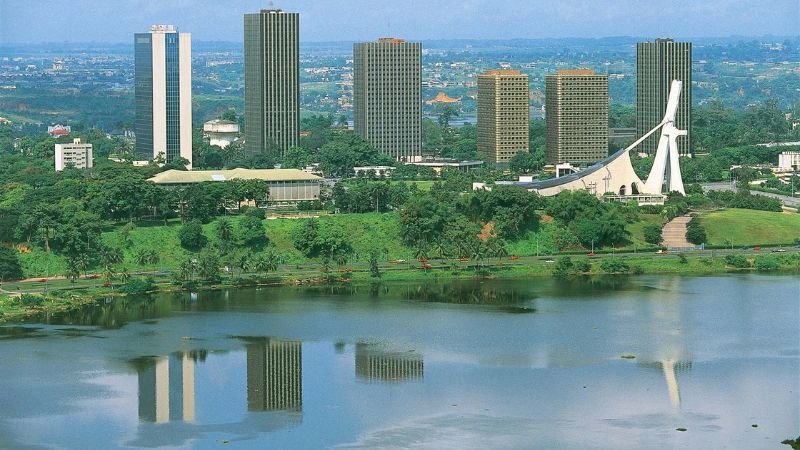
column 637, row 229
column 534, row 242
column 739, row 227
column 423, row 185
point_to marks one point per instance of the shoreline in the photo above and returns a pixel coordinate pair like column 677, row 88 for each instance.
column 16, row 307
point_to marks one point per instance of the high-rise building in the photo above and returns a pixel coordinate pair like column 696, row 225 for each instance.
column 163, row 85
column 576, row 108
column 387, row 97
column 657, row 64
column 76, row 154
column 503, row 114
column 271, row 81
column 274, row 375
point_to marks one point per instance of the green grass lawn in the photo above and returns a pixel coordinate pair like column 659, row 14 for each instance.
column 749, row 227
column 637, row 229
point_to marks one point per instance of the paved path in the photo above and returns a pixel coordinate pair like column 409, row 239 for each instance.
column 674, row 233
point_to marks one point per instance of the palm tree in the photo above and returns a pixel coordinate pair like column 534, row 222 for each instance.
column 244, row 262
column 152, row 257
column 341, row 259
column 73, row 271
column 83, row 262
column 124, row 276
column 110, row 256
column 421, row 252
column 224, row 231
column 266, row 264
column 108, row 276
column 142, row 257
column 440, row 248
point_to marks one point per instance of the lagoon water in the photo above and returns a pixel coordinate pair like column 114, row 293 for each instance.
column 500, row 364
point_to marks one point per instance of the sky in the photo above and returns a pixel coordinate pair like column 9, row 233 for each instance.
column 112, row 21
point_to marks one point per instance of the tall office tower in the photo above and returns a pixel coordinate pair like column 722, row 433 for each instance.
column 387, row 96
column 163, row 85
column 271, row 82
column 502, row 114
column 274, row 375
column 657, row 64
column 576, row 108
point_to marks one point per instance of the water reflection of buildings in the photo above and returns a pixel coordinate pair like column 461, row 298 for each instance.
column 377, row 365
column 166, row 388
column 274, row 375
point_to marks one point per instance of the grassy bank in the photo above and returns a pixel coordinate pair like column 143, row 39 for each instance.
column 64, row 296
column 382, row 233
column 748, row 227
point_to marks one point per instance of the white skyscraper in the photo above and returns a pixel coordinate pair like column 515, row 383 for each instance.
column 163, row 84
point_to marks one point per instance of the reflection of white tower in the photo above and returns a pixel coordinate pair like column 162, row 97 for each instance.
column 166, row 389
column 187, row 365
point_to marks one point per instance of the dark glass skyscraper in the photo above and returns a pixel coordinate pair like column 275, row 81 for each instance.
column 271, row 81
column 387, row 96
column 163, row 93
column 657, row 64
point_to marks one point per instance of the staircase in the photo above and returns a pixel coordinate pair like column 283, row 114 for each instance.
column 674, row 233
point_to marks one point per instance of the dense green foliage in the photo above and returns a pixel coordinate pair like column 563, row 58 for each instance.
column 695, row 233
column 10, row 268
column 191, row 236
column 652, row 234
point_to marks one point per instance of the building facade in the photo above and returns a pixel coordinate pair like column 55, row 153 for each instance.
column 286, row 186
column 657, row 64
column 503, row 115
column 576, row 116
column 76, row 154
column 271, row 81
column 163, row 93
column 387, row 96
column 221, row 132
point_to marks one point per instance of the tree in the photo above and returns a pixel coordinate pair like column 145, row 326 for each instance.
column 374, row 270
column 652, row 234
column 208, row 267
column 266, row 263
column 10, row 268
column 695, row 233
column 191, row 236
column 251, row 232
column 224, row 232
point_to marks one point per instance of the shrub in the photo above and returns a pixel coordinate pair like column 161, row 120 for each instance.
column 583, row 266
column 191, row 236
column 31, row 300
column 614, row 265
column 737, row 261
column 138, row 286
column 767, row 263
column 10, row 269
column 652, row 234
column 564, row 267
column 695, row 233
column 258, row 213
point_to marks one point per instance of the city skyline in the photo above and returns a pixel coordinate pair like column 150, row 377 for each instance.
column 21, row 22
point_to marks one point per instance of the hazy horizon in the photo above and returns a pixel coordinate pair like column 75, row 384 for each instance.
column 114, row 22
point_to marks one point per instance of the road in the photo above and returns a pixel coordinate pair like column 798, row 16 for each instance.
column 726, row 186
